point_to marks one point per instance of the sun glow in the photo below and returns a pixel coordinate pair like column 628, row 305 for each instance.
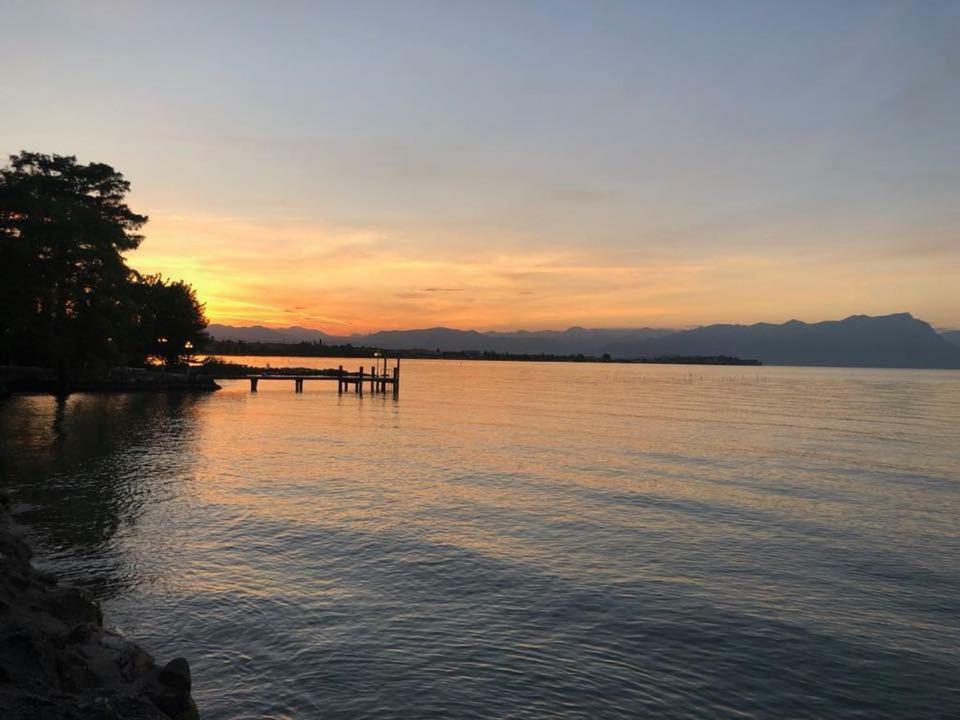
column 347, row 279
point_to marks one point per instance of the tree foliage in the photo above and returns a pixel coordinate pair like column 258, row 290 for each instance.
column 170, row 321
column 67, row 297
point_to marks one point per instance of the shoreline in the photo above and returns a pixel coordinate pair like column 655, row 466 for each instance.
column 17, row 379
column 59, row 662
column 504, row 357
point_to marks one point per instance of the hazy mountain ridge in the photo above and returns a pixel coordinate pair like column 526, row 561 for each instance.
column 951, row 336
column 589, row 341
column 259, row 333
column 898, row 340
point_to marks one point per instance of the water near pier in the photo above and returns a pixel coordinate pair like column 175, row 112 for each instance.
column 521, row 540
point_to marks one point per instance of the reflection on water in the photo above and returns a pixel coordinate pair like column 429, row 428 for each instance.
column 522, row 540
column 83, row 470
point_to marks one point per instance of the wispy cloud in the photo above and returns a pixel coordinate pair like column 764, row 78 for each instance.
column 357, row 278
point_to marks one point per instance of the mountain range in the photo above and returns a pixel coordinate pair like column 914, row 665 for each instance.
column 553, row 342
column 898, row 340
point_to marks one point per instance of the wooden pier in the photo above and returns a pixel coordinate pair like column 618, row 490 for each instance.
column 378, row 379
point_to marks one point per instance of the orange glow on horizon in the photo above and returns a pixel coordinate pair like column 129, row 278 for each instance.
column 343, row 280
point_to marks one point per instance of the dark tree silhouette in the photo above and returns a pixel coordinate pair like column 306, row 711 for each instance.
column 63, row 227
column 169, row 322
column 67, row 298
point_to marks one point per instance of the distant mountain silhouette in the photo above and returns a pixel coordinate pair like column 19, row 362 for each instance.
column 859, row 341
column 566, row 342
column 556, row 342
column 951, row 336
column 259, row 333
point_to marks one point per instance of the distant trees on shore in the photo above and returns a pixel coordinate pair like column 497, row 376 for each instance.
column 68, row 300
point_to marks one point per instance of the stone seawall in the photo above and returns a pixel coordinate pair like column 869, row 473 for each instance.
column 58, row 662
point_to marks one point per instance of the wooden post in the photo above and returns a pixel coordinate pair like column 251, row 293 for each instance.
column 373, row 380
column 396, row 381
column 360, row 382
column 253, row 384
column 340, row 380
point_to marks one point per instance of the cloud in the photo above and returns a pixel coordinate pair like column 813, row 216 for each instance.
column 360, row 277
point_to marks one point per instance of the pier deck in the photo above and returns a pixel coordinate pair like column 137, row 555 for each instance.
column 378, row 379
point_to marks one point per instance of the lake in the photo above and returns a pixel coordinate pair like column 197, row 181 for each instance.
column 520, row 540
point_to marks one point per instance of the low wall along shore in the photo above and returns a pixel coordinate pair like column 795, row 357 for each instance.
column 58, row 661
column 33, row 379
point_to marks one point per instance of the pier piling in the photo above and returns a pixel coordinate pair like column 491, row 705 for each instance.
column 377, row 378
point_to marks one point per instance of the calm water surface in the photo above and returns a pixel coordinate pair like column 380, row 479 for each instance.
column 521, row 540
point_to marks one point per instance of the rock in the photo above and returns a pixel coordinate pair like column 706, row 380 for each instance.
column 72, row 606
column 58, row 662
column 174, row 695
column 81, row 633
column 176, row 675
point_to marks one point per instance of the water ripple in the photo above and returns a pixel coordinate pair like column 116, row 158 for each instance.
column 522, row 541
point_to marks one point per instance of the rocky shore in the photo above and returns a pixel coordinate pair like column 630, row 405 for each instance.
column 58, row 661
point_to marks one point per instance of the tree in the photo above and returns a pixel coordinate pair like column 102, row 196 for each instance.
column 64, row 285
column 169, row 322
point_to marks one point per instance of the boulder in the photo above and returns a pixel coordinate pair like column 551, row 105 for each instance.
column 58, row 662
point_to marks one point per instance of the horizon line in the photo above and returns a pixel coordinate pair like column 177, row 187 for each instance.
column 679, row 328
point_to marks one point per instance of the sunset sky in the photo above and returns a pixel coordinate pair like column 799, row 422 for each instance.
column 357, row 166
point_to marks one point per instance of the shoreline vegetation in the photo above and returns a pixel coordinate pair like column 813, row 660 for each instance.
column 222, row 350
column 69, row 303
column 59, row 662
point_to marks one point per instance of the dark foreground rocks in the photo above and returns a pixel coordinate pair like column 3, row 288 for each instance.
column 58, row 662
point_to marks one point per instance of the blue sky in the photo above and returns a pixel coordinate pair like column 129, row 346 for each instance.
column 515, row 164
